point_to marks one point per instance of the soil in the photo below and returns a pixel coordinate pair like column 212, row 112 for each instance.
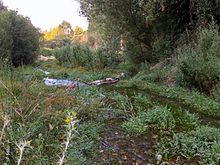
column 116, row 147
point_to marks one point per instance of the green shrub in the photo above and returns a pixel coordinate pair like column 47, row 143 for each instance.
column 136, row 125
column 203, row 142
column 141, row 102
column 123, row 104
column 200, row 65
column 194, row 99
column 216, row 93
column 185, row 120
column 85, row 146
column 129, row 67
column 81, row 56
column 46, row 51
column 161, row 48
column 150, row 76
column 67, row 55
column 158, row 117
column 101, row 58
column 19, row 38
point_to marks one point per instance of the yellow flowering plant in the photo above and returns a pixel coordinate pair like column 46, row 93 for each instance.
column 70, row 121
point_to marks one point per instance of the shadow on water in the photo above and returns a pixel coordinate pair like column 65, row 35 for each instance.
column 172, row 103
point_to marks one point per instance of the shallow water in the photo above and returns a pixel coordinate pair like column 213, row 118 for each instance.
column 56, row 82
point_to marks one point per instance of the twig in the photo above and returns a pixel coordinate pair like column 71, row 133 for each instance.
column 6, row 122
column 69, row 134
column 21, row 146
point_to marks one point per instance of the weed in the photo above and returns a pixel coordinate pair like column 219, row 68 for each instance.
column 203, row 143
column 158, row 117
column 194, row 99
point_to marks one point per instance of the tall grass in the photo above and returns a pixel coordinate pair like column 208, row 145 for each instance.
column 199, row 64
column 34, row 126
column 194, row 99
column 81, row 56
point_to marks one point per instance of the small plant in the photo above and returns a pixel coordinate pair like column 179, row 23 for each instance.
column 124, row 104
column 185, row 120
column 158, row 117
column 141, row 102
column 204, row 142
column 70, row 121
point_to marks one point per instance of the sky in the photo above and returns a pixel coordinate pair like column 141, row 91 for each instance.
column 46, row 14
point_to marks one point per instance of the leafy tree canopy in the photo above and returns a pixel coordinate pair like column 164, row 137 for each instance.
column 144, row 21
column 19, row 39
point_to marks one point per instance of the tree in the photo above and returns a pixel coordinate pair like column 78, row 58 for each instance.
column 77, row 35
column 65, row 28
column 6, row 41
column 145, row 21
column 19, row 39
column 1, row 5
column 78, row 31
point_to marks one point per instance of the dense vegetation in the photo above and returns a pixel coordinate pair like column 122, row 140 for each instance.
column 19, row 38
column 165, row 111
column 151, row 27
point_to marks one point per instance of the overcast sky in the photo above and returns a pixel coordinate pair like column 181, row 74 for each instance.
column 46, row 14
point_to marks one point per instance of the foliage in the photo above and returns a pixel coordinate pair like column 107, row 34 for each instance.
column 90, row 103
column 75, row 56
column 62, row 35
column 82, row 56
column 19, row 38
column 185, row 120
column 203, row 142
column 6, row 39
column 129, row 106
column 46, row 52
column 194, row 99
column 84, row 147
column 153, row 76
column 199, row 65
column 123, row 105
column 145, row 22
column 61, row 31
column 141, row 102
column 158, row 117
column 216, row 93
column 24, row 98
column 161, row 48
column 56, row 43
column 137, row 52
